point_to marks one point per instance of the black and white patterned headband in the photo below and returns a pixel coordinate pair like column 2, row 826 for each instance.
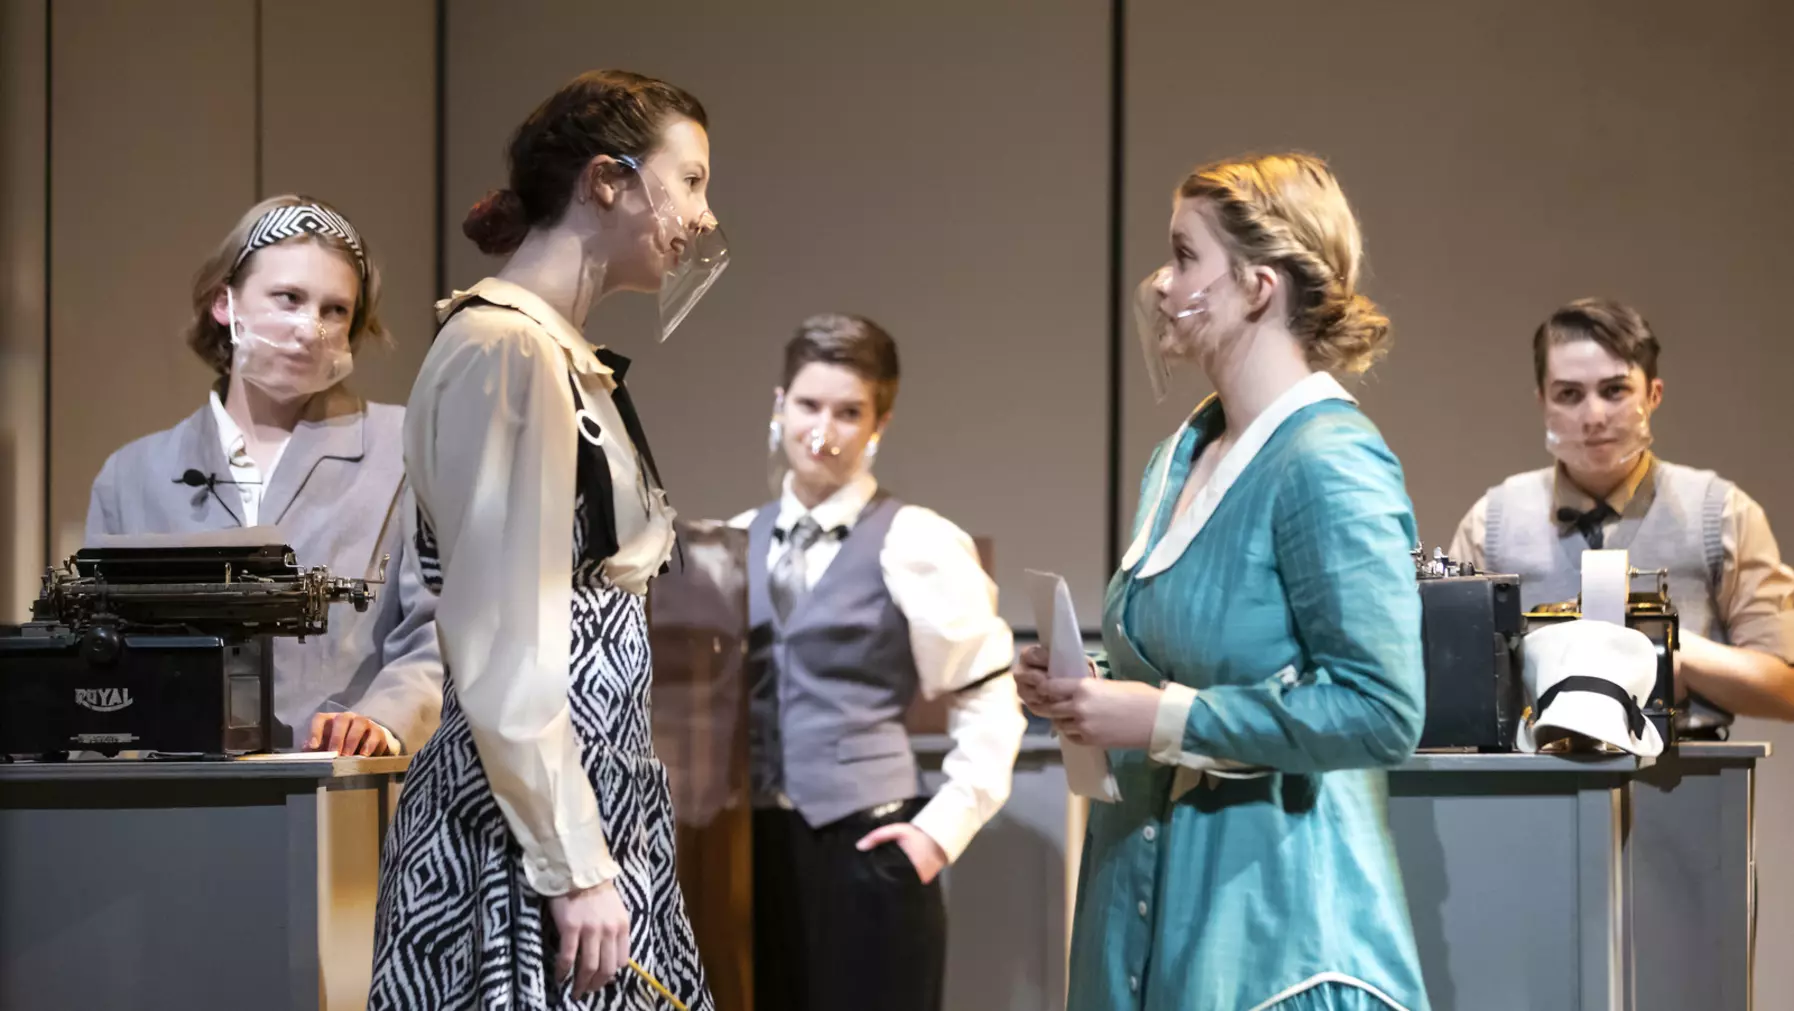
column 283, row 223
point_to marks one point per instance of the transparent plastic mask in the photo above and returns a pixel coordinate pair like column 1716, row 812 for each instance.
column 696, row 250
column 288, row 353
column 821, row 440
column 1597, row 437
column 1158, row 326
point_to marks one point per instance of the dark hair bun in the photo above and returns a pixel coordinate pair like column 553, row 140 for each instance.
column 498, row 223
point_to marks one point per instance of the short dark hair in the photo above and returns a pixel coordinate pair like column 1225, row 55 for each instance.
column 852, row 342
column 1618, row 328
column 611, row 112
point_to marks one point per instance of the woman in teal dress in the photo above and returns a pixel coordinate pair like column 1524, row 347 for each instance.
column 1261, row 661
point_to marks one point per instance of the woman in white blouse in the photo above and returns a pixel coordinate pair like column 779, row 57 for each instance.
column 531, row 858
column 858, row 603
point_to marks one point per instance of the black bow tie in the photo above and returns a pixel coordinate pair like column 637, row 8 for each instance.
column 836, row 533
column 1588, row 523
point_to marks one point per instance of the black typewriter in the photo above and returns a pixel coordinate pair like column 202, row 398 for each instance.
column 1471, row 630
column 159, row 646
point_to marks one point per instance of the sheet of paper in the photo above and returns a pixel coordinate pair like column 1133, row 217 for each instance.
column 289, row 756
column 231, row 537
column 1086, row 768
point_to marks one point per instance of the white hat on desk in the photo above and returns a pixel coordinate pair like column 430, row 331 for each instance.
column 1591, row 678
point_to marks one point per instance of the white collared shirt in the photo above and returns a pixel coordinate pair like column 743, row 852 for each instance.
column 251, row 482
column 933, row 574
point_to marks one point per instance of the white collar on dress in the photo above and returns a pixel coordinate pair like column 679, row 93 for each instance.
column 516, row 296
column 1315, row 388
column 840, row 510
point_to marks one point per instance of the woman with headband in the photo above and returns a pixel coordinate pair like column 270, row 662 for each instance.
column 1262, row 640
column 278, row 313
column 531, row 858
column 858, row 604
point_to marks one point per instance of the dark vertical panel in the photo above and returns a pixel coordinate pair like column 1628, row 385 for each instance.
column 49, row 539
column 440, row 230
column 1118, row 315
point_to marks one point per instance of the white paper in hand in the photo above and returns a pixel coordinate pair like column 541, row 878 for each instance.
column 1086, row 768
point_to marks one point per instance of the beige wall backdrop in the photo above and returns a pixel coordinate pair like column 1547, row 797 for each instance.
column 354, row 122
column 944, row 168
column 152, row 157
column 167, row 122
column 937, row 166
column 1505, row 159
column 23, row 114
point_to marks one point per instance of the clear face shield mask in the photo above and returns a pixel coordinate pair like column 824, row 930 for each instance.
column 288, row 353
column 1597, row 437
column 1160, row 327
column 694, row 249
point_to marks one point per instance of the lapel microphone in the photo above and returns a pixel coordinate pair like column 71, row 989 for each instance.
column 196, row 478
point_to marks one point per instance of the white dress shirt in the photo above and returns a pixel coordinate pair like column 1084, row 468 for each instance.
column 932, row 572
column 491, row 450
column 252, row 483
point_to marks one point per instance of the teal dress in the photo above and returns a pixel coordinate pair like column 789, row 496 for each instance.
column 1294, row 615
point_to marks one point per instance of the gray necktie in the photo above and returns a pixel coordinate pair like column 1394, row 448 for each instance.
column 788, row 582
column 790, row 577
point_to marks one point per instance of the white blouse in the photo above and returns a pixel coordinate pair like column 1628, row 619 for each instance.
column 491, row 450
column 932, row 571
column 252, row 484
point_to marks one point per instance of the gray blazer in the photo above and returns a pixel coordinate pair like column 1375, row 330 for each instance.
column 340, row 499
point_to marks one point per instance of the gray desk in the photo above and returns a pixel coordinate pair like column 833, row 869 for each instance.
column 1534, row 881
column 1513, row 868
column 139, row 886
column 1545, row 882
column 1694, row 878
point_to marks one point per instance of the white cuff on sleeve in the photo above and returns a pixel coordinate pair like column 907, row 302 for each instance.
column 1167, row 746
column 549, row 880
column 953, row 829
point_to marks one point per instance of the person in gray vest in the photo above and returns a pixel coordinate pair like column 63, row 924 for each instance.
column 1595, row 362
column 279, row 310
column 858, row 603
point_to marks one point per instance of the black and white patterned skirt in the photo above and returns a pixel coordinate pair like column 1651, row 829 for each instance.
column 458, row 925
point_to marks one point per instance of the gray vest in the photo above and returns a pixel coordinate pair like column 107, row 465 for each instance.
column 1673, row 522
column 842, row 676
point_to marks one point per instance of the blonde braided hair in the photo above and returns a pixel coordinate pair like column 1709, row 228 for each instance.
column 1287, row 212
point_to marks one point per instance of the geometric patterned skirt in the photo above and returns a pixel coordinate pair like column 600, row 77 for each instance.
column 458, row 926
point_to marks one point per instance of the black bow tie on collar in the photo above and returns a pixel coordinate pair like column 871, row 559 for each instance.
column 837, row 533
column 1588, row 523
